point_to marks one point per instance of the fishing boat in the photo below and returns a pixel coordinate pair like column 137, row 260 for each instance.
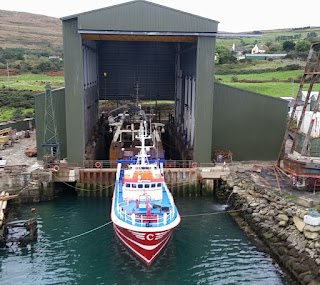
column 143, row 210
column 124, row 123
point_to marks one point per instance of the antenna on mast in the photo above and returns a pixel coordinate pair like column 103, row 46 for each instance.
column 137, row 92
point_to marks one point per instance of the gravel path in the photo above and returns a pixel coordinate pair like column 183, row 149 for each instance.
column 15, row 155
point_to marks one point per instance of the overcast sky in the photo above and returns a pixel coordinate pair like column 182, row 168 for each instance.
column 232, row 15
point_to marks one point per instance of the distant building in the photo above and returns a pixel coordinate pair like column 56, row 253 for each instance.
column 55, row 57
column 238, row 52
column 258, row 49
column 265, row 56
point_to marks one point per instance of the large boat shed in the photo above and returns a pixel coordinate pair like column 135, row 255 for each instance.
column 170, row 55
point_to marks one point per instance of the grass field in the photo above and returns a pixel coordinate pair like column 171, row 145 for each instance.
column 33, row 82
column 284, row 83
column 266, row 36
column 7, row 113
column 37, row 82
column 276, row 88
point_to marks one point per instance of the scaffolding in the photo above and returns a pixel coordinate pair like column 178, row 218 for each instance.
column 310, row 76
column 301, row 159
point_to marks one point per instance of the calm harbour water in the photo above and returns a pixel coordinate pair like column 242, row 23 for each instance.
column 208, row 249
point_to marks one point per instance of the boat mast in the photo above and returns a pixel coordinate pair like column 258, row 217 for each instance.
column 143, row 135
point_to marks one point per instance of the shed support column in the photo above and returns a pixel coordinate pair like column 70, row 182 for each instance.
column 204, row 100
column 185, row 110
column 193, row 97
column 73, row 74
column 188, row 118
column 179, row 103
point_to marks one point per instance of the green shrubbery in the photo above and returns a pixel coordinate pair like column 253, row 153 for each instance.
column 16, row 104
column 25, row 60
column 240, row 69
column 16, row 98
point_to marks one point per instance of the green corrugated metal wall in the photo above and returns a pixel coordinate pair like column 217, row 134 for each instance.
column 251, row 125
column 204, row 99
column 58, row 101
column 133, row 17
column 22, row 125
column 73, row 76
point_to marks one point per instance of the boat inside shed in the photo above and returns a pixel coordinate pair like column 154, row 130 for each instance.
column 156, row 75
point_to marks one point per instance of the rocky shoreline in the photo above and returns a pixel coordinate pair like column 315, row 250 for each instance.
column 276, row 220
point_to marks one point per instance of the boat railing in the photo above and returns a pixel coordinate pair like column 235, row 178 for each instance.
column 143, row 220
column 113, row 163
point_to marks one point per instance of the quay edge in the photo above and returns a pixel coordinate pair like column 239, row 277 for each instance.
column 31, row 186
column 39, row 185
column 274, row 218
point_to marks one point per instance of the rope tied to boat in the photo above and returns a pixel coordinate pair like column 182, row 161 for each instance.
column 99, row 227
column 212, row 213
column 79, row 235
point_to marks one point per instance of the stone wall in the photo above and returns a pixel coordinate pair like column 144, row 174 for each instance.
column 13, row 179
column 277, row 219
column 31, row 186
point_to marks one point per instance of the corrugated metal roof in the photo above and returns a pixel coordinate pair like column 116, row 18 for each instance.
column 142, row 16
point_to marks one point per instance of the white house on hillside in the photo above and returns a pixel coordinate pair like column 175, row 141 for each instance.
column 258, row 49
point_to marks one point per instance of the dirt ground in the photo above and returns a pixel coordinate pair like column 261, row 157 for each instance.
column 15, row 155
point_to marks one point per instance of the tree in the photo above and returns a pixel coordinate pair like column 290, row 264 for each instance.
column 312, row 35
column 302, row 46
column 288, row 46
column 24, row 66
column 275, row 47
column 44, row 66
column 223, row 54
column 17, row 114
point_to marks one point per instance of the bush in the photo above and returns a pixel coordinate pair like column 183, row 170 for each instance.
column 44, row 66
column 234, row 79
column 17, row 114
column 16, row 98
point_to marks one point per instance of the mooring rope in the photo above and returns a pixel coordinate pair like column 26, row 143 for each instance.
column 79, row 235
column 212, row 213
column 99, row 227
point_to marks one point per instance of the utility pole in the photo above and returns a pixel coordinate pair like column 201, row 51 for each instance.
column 8, row 75
column 137, row 93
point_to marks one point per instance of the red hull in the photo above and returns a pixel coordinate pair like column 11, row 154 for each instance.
column 144, row 245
